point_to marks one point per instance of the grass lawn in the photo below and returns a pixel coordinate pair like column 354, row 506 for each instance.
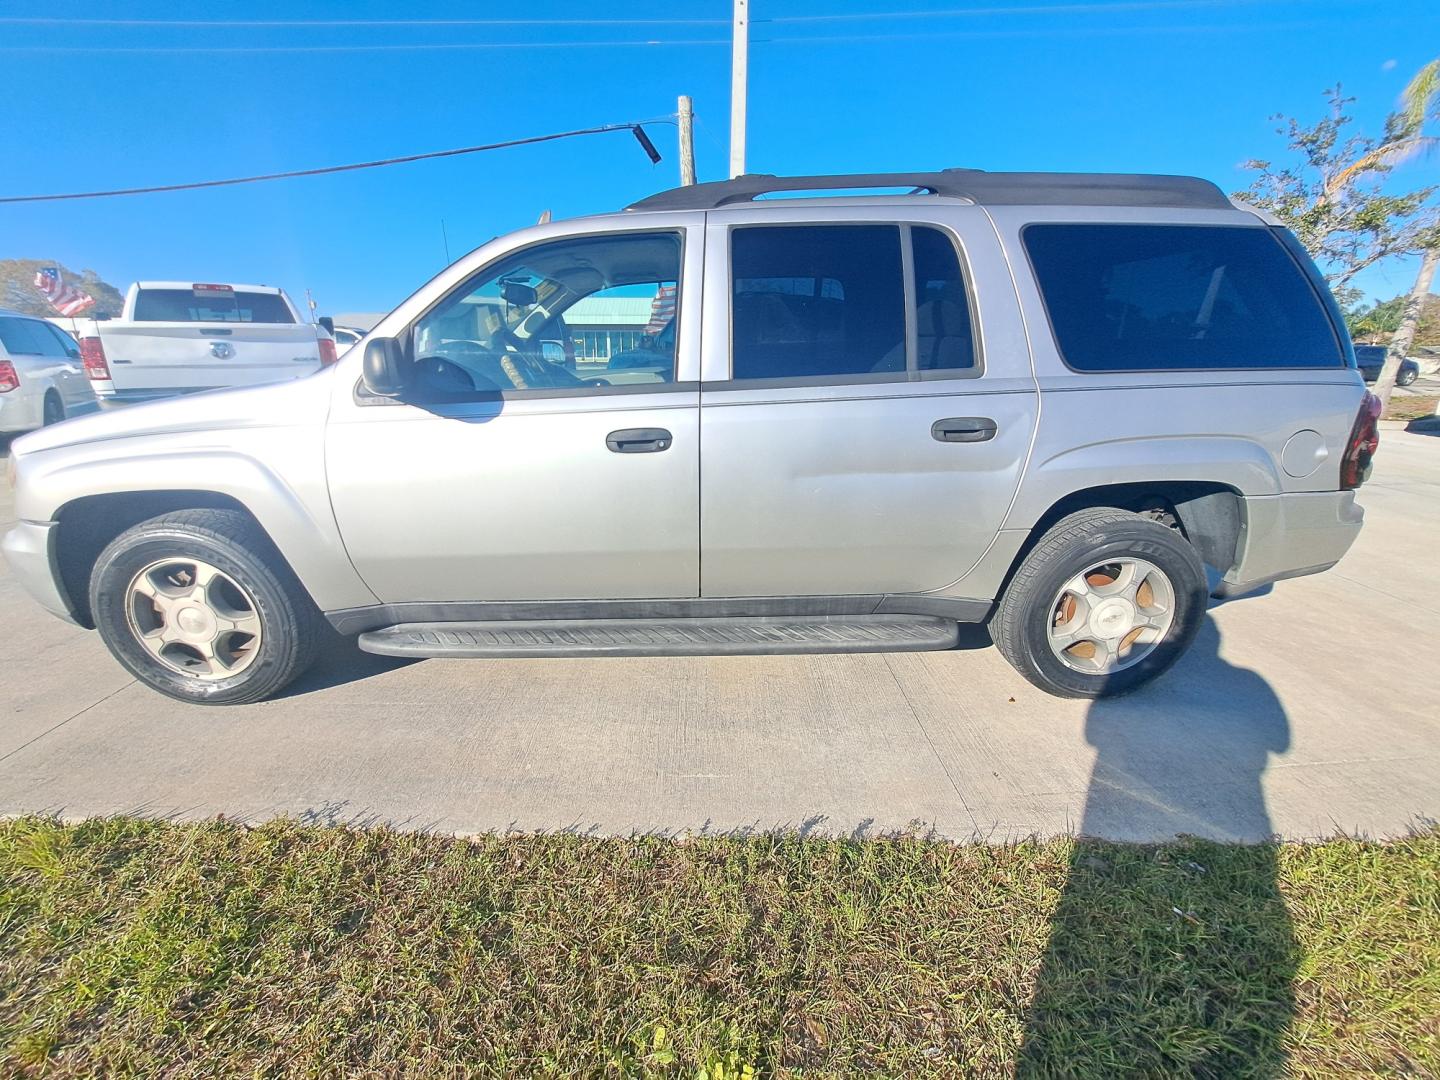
column 145, row 948
column 1410, row 408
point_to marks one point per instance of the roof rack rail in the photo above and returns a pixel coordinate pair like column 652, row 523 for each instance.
column 976, row 185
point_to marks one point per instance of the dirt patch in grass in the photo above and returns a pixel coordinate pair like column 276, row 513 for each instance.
column 137, row 947
column 1410, row 408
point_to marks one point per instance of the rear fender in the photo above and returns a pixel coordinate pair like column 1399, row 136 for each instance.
column 1235, row 462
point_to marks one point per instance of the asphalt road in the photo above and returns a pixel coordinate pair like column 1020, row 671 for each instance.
column 1302, row 712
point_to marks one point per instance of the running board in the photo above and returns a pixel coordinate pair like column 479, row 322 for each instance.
column 666, row 637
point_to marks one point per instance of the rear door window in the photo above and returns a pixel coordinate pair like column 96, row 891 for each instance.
column 816, row 301
column 1177, row 297
column 186, row 305
column 58, row 342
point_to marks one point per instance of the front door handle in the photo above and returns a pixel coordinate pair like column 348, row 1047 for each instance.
column 963, row 429
column 639, row 440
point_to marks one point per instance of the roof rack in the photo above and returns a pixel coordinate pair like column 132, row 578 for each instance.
column 976, row 185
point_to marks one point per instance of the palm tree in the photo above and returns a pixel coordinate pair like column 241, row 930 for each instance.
column 1405, row 138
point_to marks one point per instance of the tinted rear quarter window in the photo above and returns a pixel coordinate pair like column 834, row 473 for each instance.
column 182, row 305
column 944, row 337
column 1177, row 297
column 22, row 337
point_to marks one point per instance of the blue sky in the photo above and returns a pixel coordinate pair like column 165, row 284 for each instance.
column 1184, row 86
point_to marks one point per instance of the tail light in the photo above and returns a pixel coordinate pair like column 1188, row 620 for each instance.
column 1364, row 441
column 92, row 355
column 9, row 377
column 327, row 351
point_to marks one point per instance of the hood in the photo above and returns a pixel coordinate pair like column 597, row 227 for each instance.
column 275, row 405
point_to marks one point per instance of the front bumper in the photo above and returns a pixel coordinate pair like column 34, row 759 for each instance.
column 1286, row 536
column 29, row 548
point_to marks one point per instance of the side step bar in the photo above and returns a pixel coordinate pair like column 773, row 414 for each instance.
column 666, row 637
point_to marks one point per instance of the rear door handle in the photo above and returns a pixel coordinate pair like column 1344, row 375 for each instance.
column 639, row 440
column 963, row 429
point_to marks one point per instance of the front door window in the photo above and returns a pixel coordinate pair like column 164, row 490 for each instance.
column 581, row 314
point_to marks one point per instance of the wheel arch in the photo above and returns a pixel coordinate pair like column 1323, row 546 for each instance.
column 94, row 498
column 85, row 525
column 1209, row 514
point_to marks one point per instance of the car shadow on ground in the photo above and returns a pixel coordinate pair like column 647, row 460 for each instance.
column 341, row 661
column 1174, row 962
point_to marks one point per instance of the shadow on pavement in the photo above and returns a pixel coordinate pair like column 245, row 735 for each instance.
column 1177, row 961
column 341, row 662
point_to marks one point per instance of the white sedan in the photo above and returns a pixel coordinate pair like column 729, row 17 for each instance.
column 42, row 379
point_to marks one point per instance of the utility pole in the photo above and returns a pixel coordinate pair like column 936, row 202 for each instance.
column 687, row 141
column 739, row 64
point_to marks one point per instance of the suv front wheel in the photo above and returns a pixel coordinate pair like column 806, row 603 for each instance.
column 1105, row 602
column 199, row 605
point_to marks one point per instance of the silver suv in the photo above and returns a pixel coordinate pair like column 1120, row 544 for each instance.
column 717, row 424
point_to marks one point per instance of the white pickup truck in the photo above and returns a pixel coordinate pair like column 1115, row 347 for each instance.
column 179, row 337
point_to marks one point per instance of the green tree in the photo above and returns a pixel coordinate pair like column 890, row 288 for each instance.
column 1333, row 198
column 18, row 292
column 1379, row 322
column 1405, row 137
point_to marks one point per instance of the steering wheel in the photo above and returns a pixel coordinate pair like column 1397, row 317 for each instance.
column 508, row 337
column 438, row 378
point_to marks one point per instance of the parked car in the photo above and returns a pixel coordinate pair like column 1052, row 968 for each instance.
column 1371, row 358
column 1042, row 400
column 41, row 379
column 178, row 337
column 345, row 337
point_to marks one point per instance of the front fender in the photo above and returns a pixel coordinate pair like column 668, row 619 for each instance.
column 293, row 508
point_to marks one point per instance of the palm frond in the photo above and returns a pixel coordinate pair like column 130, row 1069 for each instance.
column 1420, row 97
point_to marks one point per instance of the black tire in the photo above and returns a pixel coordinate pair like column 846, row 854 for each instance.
column 1073, row 545
column 292, row 627
column 53, row 410
column 1405, row 378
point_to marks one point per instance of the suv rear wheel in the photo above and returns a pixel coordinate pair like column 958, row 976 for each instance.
column 1105, row 602
column 199, row 605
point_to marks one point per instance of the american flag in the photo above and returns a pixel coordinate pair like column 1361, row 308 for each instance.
column 662, row 310
column 66, row 299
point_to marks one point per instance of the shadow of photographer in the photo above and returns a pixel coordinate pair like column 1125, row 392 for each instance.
column 1175, row 961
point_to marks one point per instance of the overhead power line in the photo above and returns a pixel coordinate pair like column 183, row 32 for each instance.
column 1011, row 9
column 633, row 127
column 449, row 46
column 1091, row 8
column 312, row 23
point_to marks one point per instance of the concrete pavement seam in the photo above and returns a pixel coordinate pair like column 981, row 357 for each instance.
column 62, row 723
column 914, row 712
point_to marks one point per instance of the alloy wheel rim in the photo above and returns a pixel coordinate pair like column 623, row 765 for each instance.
column 1111, row 616
column 193, row 618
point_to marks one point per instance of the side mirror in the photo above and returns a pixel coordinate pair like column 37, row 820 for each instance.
column 383, row 371
column 327, row 324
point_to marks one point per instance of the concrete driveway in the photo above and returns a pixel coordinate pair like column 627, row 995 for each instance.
column 1307, row 710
